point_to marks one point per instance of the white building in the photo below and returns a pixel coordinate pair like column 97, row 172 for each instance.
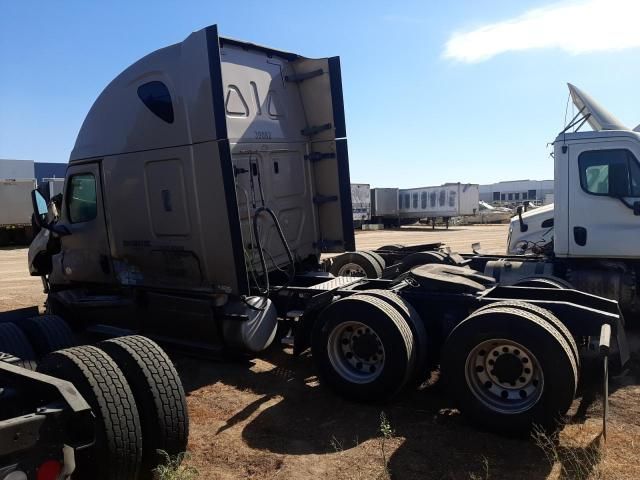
column 515, row 191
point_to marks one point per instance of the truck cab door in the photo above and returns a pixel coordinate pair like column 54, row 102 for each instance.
column 84, row 255
column 605, row 185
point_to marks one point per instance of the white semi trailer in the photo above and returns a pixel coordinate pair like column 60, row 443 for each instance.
column 15, row 210
column 444, row 201
column 392, row 206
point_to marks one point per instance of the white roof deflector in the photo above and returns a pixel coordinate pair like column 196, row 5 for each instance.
column 597, row 116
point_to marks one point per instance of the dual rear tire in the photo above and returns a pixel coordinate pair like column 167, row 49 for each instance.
column 137, row 398
column 511, row 368
column 369, row 346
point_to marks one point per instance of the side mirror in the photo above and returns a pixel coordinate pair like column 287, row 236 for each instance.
column 40, row 208
column 40, row 212
column 636, row 208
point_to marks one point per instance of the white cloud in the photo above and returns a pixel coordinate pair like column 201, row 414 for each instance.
column 576, row 27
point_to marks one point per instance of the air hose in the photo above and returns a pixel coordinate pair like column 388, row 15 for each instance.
column 263, row 262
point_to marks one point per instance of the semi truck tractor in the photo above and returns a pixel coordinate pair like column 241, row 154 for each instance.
column 207, row 180
column 588, row 236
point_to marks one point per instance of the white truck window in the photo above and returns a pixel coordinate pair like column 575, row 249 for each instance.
column 597, row 168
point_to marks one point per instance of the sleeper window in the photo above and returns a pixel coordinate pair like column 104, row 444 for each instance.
column 155, row 95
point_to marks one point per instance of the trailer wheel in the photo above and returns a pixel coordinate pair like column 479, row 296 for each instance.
column 159, row 395
column 363, row 348
column 420, row 258
column 543, row 282
column 545, row 314
column 377, row 257
column 416, row 325
column 14, row 342
column 48, row 333
column 355, row 264
column 510, row 370
column 117, row 450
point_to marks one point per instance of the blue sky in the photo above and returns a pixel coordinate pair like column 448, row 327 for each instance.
column 434, row 91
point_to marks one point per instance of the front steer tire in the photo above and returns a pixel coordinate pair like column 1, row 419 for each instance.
column 116, row 453
column 494, row 402
column 347, row 342
column 159, row 395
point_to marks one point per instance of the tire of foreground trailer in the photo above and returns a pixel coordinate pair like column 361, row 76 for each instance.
column 48, row 333
column 363, row 348
column 544, row 313
column 159, row 395
column 509, row 370
column 355, row 264
column 543, row 282
column 420, row 258
column 14, row 342
column 378, row 258
column 117, row 450
column 418, row 330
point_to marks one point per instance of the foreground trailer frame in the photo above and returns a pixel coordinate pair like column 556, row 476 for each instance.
column 44, row 419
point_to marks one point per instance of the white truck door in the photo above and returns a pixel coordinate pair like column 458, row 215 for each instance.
column 84, row 255
column 604, row 182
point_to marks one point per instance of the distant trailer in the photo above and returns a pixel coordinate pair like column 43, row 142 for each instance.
column 361, row 203
column 444, row 201
column 16, row 210
column 384, row 206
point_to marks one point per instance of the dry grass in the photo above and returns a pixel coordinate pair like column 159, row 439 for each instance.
column 173, row 468
column 572, row 458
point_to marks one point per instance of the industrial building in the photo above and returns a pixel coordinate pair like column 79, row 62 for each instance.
column 21, row 169
column 514, row 191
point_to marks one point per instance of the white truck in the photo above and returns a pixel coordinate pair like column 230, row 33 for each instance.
column 15, row 210
column 588, row 237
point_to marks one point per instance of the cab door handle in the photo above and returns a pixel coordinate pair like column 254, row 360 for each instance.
column 580, row 235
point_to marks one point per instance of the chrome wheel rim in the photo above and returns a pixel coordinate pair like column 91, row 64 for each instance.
column 351, row 270
column 504, row 376
column 356, row 352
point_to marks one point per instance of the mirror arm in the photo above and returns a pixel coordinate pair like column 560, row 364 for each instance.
column 523, row 226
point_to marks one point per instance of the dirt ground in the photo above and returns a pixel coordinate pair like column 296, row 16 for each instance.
column 268, row 418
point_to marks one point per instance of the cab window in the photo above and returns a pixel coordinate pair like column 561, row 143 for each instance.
column 612, row 172
column 82, row 203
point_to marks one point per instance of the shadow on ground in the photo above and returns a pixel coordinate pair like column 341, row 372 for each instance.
column 293, row 415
